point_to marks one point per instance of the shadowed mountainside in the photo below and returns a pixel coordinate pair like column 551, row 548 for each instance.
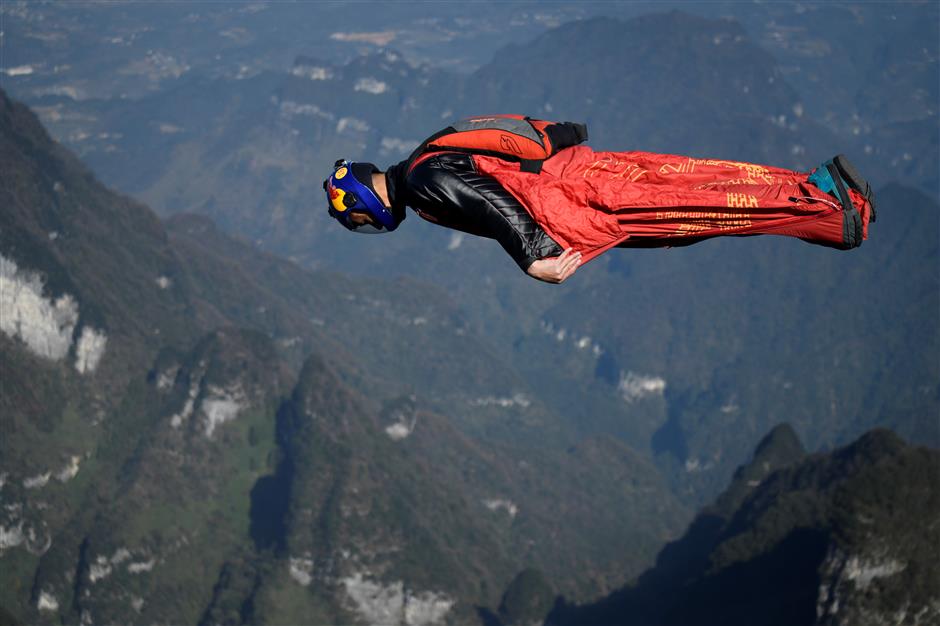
column 190, row 423
column 847, row 537
column 167, row 388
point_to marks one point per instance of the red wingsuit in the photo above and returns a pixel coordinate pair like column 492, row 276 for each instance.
column 593, row 201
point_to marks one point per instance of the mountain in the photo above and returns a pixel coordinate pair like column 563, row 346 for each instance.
column 846, row 60
column 729, row 337
column 192, row 424
column 132, row 419
column 386, row 513
column 693, row 373
column 845, row 537
column 157, row 376
column 849, row 61
column 638, row 92
column 752, row 332
column 112, row 51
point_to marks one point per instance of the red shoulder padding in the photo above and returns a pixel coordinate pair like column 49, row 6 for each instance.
column 491, row 140
column 511, row 137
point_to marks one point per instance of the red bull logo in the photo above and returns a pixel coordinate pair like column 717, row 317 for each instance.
column 335, row 195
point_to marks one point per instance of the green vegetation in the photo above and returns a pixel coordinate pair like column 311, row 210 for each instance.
column 522, row 452
column 527, row 600
column 849, row 533
column 157, row 523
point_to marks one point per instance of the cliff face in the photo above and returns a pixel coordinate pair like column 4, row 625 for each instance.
column 747, row 332
column 164, row 386
column 195, row 430
column 135, row 415
column 847, row 537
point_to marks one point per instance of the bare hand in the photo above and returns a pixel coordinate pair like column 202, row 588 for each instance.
column 556, row 269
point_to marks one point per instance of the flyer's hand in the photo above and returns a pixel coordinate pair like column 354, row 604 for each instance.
column 556, row 269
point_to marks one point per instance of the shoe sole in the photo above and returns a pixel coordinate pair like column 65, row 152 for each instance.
column 853, row 177
column 851, row 220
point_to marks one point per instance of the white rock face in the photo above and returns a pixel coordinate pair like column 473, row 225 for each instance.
column 455, row 240
column 399, row 431
column 291, row 109
column 376, row 603
column 186, row 412
column 37, row 481
column 99, row 570
column 89, row 350
column 394, row 145
column 33, row 535
column 426, row 608
column 312, row 72
column 120, row 555
column 583, row 343
column 166, row 378
column 47, row 602
column 70, row 471
column 38, row 543
column 633, row 386
column 498, row 503
column 301, row 570
column 19, row 70
column 846, row 577
column 380, row 38
column 401, row 423
column 694, row 466
column 371, row 85
column 862, row 571
column 141, row 566
column 45, row 326
column 104, row 566
column 517, row 399
column 393, row 604
column 220, row 406
column 352, row 123
column 11, row 537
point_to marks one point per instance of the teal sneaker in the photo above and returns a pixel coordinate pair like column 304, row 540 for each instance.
column 828, row 178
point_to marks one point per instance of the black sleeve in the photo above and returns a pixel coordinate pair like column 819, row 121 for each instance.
column 447, row 189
